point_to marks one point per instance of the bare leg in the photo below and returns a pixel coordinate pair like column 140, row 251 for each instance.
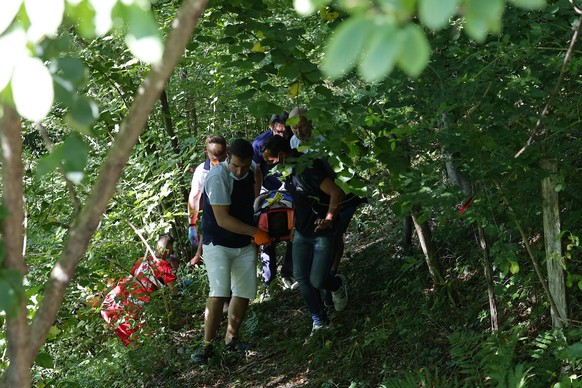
column 237, row 310
column 212, row 317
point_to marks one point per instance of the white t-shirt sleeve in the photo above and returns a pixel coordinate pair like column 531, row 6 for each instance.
column 218, row 186
column 198, row 181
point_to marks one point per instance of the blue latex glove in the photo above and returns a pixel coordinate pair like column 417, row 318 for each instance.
column 193, row 235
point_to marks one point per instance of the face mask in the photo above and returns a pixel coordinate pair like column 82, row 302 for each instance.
column 238, row 179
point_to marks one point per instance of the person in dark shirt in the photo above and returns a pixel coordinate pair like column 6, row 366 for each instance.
column 317, row 200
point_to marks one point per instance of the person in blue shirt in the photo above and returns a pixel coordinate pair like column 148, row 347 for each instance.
column 271, row 182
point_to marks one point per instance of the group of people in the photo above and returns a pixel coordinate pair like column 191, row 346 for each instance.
column 225, row 190
column 234, row 179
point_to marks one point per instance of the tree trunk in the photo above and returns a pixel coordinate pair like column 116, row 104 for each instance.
column 18, row 331
column 553, row 245
column 25, row 341
column 425, row 238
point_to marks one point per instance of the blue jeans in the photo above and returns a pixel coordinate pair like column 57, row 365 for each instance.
column 311, row 264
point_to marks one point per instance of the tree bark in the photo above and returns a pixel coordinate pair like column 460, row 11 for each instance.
column 552, row 229
column 87, row 221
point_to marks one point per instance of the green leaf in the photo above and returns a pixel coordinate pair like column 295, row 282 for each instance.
column 103, row 15
column 346, row 45
column 142, row 38
column 82, row 114
column 529, row 4
column 9, row 10
column 482, row 17
column 435, row 14
column 415, row 50
column 381, row 55
column 72, row 69
column 11, row 291
column 514, row 267
column 32, row 89
column 44, row 360
column 74, row 154
column 45, row 17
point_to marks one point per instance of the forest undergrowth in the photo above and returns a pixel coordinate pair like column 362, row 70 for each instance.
column 398, row 330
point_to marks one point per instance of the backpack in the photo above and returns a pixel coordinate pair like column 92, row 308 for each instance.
column 275, row 215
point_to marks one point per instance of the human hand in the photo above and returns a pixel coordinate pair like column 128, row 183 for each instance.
column 261, row 237
column 193, row 235
column 197, row 259
column 322, row 224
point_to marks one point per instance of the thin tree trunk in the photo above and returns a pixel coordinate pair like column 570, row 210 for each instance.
column 553, row 245
column 25, row 341
column 425, row 238
column 489, row 278
column 167, row 115
column 18, row 330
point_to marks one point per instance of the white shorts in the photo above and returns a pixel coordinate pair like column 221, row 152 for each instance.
column 231, row 269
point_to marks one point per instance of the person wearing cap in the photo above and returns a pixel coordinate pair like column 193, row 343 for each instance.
column 228, row 233
column 271, row 182
column 216, row 152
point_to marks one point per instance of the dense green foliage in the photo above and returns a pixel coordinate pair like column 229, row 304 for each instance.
column 476, row 104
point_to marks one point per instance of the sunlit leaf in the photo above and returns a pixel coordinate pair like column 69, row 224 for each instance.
column 103, row 15
column 435, row 14
column 294, row 89
column 346, row 45
column 514, row 267
column 12, row 50
column 45, row 17
column 307, row 7
column 32, row 89
column 258, row 48
column 529, row 4
column 142, row 38
column 381, row 55
column 415, row 50
column 9, row 10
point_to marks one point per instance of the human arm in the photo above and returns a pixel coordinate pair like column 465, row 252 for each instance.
column 197, row 256
column 258, row 180
column 195, row 196
column 336, row 196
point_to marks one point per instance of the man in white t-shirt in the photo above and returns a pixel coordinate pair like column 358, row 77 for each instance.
column 216, row 152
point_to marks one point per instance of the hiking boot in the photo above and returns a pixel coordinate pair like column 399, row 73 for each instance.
column 202, row 354
column 290, row 283
column 340, row 297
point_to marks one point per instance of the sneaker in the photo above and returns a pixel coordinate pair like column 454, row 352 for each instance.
column 340, row 297
column 202, row 354
column 319, row 327
column 236, row 345
column 290, row 283
column 265, row 296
